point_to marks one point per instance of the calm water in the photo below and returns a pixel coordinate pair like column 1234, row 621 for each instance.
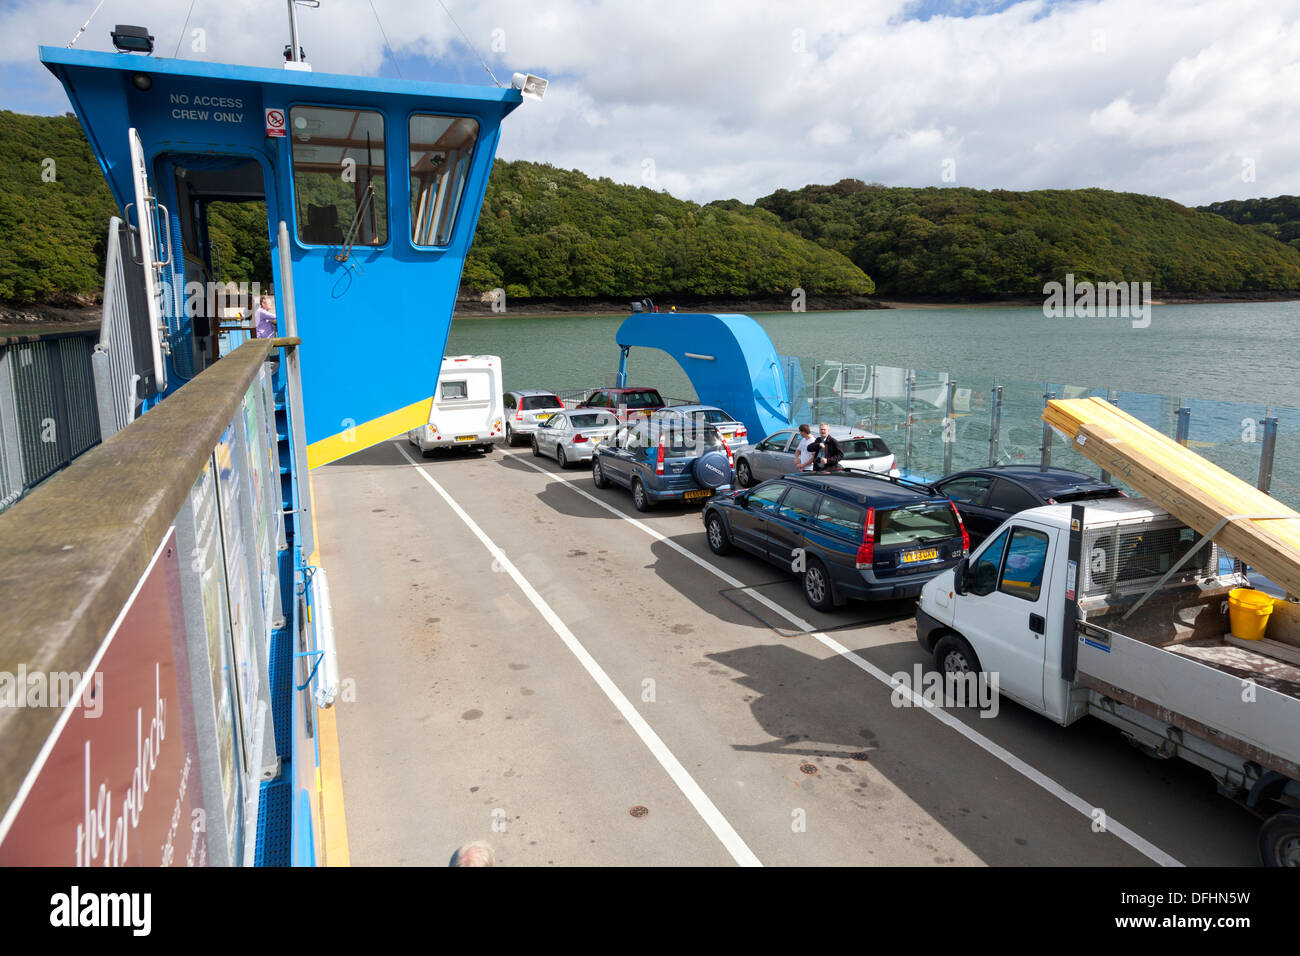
column 1242, row 353
column 1226, row 362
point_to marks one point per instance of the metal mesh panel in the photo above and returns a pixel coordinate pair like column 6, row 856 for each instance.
column 34, row 376
column 11, row 468
column 1130, row 557
column 82, row 418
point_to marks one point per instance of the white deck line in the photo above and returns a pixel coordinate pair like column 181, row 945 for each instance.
column 712, row 816
column 1066, row 796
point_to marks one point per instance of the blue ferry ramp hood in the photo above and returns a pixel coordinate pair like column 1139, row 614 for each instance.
column 373, row 316
column 729, row 359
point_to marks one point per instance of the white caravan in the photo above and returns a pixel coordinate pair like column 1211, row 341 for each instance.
column 467, row 408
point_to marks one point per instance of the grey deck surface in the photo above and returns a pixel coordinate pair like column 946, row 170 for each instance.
column 473, row 720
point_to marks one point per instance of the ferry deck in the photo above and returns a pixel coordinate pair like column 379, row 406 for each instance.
column 515, row 656
column 531, row 660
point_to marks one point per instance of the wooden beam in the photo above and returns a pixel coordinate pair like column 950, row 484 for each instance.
column 1195, row 491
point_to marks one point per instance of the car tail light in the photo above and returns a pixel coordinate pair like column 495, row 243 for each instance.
column 659, row 461
column 965, row 535
column 578, row 439
column 867, row 549
column 519, row 415
column 741, row 434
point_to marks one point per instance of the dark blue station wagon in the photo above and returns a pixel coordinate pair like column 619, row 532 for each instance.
column 846, row 535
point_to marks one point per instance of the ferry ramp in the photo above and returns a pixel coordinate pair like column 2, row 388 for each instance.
column 526, row 660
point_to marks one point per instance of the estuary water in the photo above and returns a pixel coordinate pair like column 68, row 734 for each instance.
column 1240, row 352
column 1229, row 364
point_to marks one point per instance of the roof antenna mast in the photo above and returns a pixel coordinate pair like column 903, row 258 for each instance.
column 295, row 59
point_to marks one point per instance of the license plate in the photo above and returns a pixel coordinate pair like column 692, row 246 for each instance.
column 466, row 438
column 701, row 493
column 542, row 418
column 929, row 554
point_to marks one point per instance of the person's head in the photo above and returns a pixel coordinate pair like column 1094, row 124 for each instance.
column 823, row 429
column 268, row 303
column 477, row 853
column 805, row 431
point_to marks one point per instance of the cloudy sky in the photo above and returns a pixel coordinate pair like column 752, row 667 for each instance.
column 1197, row 100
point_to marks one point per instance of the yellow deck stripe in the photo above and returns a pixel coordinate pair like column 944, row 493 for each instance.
column 329, row 775
column 369, row 433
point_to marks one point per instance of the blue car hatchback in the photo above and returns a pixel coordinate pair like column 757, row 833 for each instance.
column 847, row 535
column 663, row 461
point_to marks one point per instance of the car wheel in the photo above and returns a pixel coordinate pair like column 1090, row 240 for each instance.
column 744, row 477
column 719, row 540
column 537, row 452
column 510, row 436
column 598, row 475
column 817, row 586
column 560, row 458
column 639, row 497
column 424, row 452
column 1279, row 839
column 952, row 655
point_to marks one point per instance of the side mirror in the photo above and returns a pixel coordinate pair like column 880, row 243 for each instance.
column 959, row 576
column 742, row 499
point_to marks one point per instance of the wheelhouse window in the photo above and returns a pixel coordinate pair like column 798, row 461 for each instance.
column 441, row 149
column 339, row 183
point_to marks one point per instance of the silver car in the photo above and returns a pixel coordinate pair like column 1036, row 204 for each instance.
column 573, row 435
column 775, row 454
column 733, row 432
column 526, row 409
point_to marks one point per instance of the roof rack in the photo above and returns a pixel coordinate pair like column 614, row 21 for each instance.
column 907, row 482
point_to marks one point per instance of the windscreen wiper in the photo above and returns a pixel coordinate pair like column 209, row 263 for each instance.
column 366, row 202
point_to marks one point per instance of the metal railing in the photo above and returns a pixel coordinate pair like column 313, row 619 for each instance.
column 61, row 393
column 937, row 425
column 47, row 407
column 116, row 363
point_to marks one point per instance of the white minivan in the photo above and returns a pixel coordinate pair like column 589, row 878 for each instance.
column 467, row 407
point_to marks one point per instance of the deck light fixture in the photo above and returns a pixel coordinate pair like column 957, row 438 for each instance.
column 533, row 87
column 130, row 39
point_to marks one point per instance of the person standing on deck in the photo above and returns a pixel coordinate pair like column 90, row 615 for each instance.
column 264, row 319
column 803, row 456
column 826, row 451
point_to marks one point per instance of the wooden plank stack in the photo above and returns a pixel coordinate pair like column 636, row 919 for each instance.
column 1193, row 490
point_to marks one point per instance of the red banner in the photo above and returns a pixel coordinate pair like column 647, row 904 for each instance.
column 119, row 782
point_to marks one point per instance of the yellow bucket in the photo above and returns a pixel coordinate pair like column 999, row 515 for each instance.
column 1248, row 612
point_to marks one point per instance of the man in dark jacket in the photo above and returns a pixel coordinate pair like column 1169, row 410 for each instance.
column 826, row 451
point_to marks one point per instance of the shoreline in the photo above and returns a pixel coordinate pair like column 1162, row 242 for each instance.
column 475, row 308
column 39, row 318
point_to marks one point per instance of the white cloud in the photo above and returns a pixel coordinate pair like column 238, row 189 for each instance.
column 741, row 98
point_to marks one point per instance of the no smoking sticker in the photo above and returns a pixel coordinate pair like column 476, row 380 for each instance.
column 274, row 122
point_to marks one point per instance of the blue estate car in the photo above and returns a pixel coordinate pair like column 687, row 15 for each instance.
column 848, row 535
column 659, row 461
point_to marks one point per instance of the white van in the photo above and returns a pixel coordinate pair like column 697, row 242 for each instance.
column 1114, row 609
column 467, row 408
